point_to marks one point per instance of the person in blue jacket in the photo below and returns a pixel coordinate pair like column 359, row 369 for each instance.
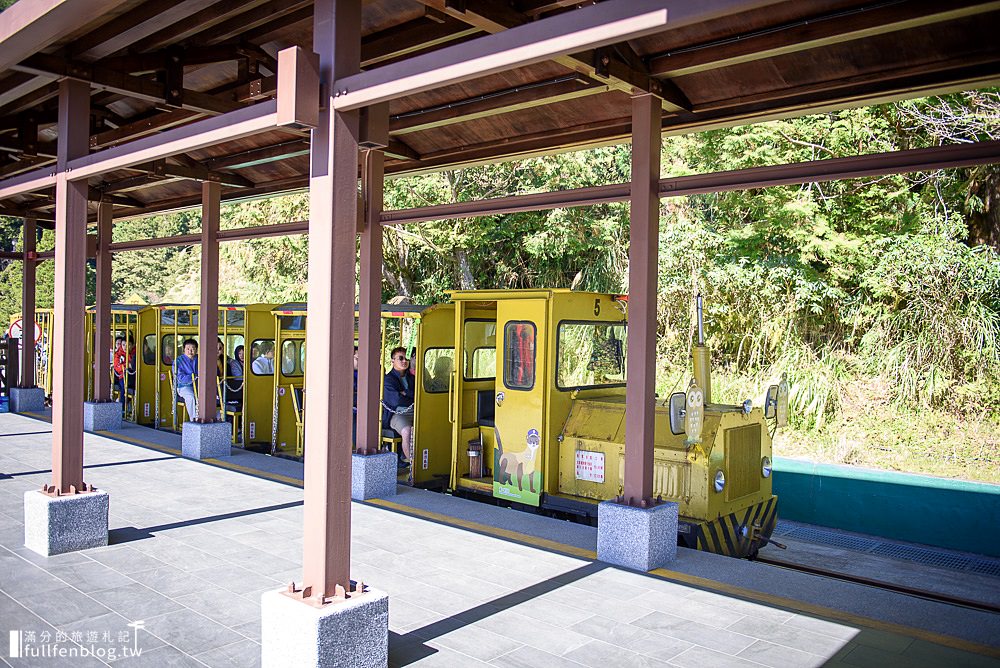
column 397, row 402
column 185, row 370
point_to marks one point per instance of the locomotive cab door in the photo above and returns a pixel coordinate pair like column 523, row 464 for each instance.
column 519, row 400
column 471, row 392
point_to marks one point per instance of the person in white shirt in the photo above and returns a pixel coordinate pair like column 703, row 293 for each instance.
column 264, row 364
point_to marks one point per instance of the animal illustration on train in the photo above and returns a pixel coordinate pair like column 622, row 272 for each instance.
column 518, row 396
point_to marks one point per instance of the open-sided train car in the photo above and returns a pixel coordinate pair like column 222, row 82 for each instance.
column 520, row 397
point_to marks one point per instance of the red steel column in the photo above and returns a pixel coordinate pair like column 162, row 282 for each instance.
column 370, row 302
column 102, row 311
column 208, row 323
column 69, row 346
column 333, row 229
column 644, row 232
column 28, row 305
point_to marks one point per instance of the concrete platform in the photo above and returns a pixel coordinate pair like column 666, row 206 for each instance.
column 195, row 544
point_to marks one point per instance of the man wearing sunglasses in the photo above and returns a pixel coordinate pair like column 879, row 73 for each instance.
column 397, row 402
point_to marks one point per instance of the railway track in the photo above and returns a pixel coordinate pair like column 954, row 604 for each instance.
column 881, row 584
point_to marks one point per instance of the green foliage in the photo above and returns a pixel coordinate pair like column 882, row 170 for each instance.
column 880, row 297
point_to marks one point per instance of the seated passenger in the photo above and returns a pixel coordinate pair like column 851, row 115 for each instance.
column 264, row 365
column 438, row 382
column 398, row 400
column 234, row 385
column 185, row 371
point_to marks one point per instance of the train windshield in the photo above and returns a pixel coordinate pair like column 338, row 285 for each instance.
column 590, row 354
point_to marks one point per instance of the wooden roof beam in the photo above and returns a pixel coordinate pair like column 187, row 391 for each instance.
column 497, row 102
column 124, row 84
column 259, row 156
column 255, row 18
column 816, row 32
column 410, row 37
column 194, row 172
column 205, row 19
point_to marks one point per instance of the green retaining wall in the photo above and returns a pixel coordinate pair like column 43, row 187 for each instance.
column 947, row 513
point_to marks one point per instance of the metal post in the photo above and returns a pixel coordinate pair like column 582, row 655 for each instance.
column 370, row 302
column 102, row 310
column 644, row 229
column 333, row 228
column 208, row 323
column 27, row 307
column 69, row 346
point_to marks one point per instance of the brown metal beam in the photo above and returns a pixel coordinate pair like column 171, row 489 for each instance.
column 195, row 173
column 191, row 137
column 590, row 27
column 370, row 300
column 239, row 234
column 643, row 247
column 28, row 304
column 333, row 220
column 102, row 309
column 834, row 169
column 124, row 84
column 208, row 328
column 29, row 27
column 259, row 156
column 68, row 345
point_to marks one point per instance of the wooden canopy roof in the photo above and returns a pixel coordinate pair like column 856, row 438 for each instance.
column 155, row 64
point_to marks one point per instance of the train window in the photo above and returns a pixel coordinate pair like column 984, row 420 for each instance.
column 438, row 365
column 149, row 349
column 262, row 356
column 519, row 355
column 232, row 341
column 484, row 364
column 231, row 318
column 302, row 358
column 290, row 357
column 480, row 353
column 173, row 347
column 294, row 323
column 169, row 349
column 590, row 354
column 168, row 316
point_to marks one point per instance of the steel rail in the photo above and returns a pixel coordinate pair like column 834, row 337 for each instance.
column 882, row 584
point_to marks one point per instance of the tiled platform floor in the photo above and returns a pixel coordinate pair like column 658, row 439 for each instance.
column 195, row 545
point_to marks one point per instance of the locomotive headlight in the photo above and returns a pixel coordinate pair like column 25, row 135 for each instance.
column 765, row 467
column 694, row 418
column 747, row 406
column 782, row 407
column 720, row 481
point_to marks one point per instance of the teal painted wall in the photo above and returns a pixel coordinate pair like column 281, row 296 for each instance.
column 920, row 509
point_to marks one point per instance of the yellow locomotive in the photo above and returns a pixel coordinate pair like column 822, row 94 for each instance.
column 520, row 397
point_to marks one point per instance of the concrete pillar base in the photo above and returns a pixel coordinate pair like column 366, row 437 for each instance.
column 58, row 524
column 352, row 633
column 27, row 399
column 373, row 476
column 206, row 440
column 638, row 538
column 102, row 416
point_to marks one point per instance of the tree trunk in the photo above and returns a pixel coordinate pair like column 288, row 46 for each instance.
column 984, row 225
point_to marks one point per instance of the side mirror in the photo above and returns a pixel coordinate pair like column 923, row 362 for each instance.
column 678, row 409
column 771, row 403
column 781, row 411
